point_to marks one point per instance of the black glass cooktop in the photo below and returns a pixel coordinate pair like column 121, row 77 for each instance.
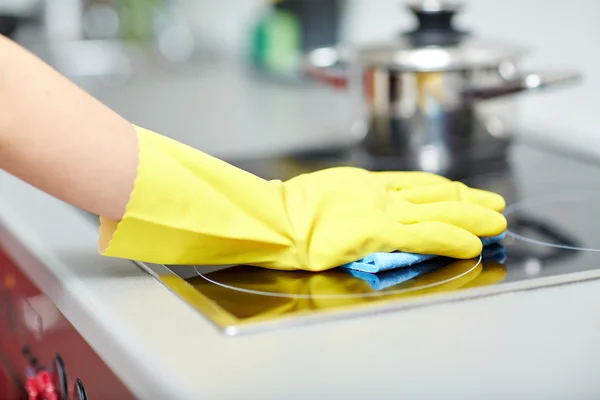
column 553, row 238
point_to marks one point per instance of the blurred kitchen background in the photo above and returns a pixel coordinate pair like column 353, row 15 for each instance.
column 187, row 68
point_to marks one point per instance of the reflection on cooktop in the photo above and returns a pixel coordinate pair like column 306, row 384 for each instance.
column 552, row 239
column 255, row 294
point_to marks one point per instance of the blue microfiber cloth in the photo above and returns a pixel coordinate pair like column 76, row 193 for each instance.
column 386, row 279
column 494, row 252
column 378, row 262
column 396, row 276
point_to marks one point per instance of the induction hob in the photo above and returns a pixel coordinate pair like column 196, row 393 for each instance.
column 553, row 238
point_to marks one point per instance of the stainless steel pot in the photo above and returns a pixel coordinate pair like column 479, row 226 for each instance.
column 436, row 95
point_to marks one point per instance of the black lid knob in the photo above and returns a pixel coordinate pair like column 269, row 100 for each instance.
column 435, row 24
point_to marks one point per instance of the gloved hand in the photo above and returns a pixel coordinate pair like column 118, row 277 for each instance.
column 190, row 208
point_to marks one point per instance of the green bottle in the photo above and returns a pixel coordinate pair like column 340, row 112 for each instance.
column 277, row 43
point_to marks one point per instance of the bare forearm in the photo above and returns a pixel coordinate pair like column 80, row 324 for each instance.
column 59, row 139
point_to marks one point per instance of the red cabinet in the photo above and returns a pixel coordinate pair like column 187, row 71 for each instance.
column 9, row 387
column 32, row 328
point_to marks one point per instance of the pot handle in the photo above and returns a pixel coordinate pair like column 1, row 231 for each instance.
column 521, row 83
column 328, row 65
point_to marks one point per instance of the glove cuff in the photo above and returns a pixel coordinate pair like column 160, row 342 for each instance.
column 190, row 208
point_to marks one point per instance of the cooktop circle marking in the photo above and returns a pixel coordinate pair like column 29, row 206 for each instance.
column 539, row 201
column 338, row 296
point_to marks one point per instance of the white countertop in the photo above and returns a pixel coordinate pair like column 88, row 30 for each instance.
column 526, row 345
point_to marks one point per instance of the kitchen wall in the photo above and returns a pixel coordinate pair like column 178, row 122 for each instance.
column 561, row 34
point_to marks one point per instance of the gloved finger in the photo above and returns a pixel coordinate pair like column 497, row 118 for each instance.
column 438, row 238
column 477, row 219
column 454, row 191
column 408, row 179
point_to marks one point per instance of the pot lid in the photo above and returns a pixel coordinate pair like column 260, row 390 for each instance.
column 436, row 44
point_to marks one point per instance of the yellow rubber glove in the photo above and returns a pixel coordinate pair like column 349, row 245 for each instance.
column 189, row 208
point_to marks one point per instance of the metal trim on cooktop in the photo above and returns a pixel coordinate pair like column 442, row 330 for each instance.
column 232, row 326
